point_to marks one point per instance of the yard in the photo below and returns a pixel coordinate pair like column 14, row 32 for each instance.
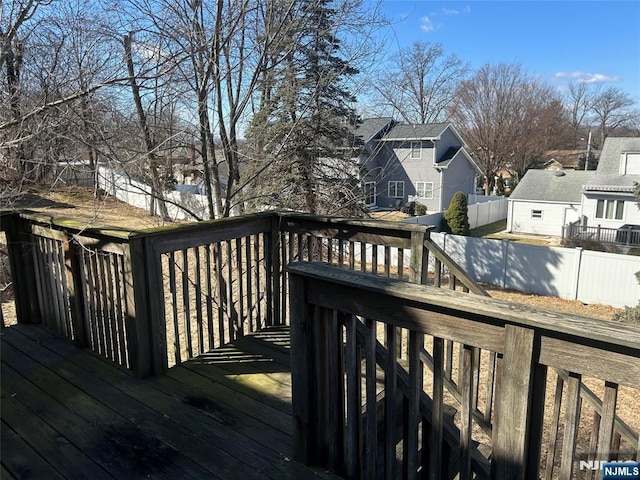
column 101, row 210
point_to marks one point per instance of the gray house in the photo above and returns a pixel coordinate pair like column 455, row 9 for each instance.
column 426, row 163
column 602, row 201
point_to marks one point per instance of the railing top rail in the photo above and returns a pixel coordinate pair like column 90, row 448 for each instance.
column 354, row 222
column 193, row 234
column 73, row 226
column 492, row 312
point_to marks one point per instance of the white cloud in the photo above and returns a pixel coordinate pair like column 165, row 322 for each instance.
column 452, row 11
column 426, row 24
column 583, row 77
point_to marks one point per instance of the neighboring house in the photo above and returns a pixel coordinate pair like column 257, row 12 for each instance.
column 545, row 201
column 427, row 163
column 608, row 199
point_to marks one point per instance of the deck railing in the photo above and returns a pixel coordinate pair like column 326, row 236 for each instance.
column 396, row 420
column 628, row 235
column 154, row 298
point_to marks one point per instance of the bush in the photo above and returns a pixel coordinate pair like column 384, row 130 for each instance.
column 409, row 208
column 628, row 315
column 420, row 209
column 456, row 219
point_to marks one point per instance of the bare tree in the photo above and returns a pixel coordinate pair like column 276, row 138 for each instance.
column 419, row 82
column 611, row 108
column 501, row 113
column 579, row 103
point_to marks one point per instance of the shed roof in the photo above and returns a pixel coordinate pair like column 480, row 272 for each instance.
column 552, row 186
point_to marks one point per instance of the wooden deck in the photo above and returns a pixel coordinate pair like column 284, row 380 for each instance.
column 67, row 413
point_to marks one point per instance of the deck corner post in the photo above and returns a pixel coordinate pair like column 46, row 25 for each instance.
column 302, row 374
column 145, row 309
column 521, row 401
column 23, row 268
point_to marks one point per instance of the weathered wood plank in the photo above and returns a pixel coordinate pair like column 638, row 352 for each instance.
column 437, row 418
column 229, row 430
column 605, row 435
column 514, row 395
column 572, row 416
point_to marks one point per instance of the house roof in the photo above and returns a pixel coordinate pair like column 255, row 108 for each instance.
column 420, row 131
column 552, row 186
column 368, row 128
column 607, row 176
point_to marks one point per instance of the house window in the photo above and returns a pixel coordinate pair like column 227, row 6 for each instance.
column 370, row 193
column 424, row 190
column 536, row 213
column 610, row 209
column 416, row 150
column 396, row 189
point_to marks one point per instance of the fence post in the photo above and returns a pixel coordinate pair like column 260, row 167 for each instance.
column 505, row 256
column 519, row 406
column 577, row 265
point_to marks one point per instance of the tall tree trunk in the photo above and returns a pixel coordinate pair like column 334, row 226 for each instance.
column 156, row 183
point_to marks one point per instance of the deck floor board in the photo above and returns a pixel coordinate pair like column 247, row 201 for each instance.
column 67, row 413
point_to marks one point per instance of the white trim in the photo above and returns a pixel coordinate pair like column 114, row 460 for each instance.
column 419, row 145
column 425, row 183
column 375, row 194
column 395, row 188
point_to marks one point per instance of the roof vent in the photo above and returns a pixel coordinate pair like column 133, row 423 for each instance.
column 559, row 173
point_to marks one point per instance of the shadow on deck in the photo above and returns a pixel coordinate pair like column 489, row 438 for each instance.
column 67, row 413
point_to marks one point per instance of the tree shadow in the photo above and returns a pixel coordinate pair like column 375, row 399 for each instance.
column 32, row 200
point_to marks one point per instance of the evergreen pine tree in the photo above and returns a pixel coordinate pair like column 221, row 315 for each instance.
column 303, row 129
column 456, row 218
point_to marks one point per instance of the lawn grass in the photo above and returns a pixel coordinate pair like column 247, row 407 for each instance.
column 490, row 229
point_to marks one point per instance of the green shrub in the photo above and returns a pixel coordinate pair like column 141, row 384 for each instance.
column 420, row 209
column 456, row 218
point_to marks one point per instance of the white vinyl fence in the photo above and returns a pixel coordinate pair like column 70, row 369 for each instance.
column 569, row 273
column 180, row 205
column 483, row 211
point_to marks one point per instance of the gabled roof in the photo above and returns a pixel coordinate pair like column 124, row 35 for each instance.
column 607, row 176
column 552, row 186
column 368, row 128
column 420, row 131
column 445, row 160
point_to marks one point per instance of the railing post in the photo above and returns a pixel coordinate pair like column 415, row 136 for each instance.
column 75, row 285
column 302, row 372
column 519, row 406
column 23, row 270
column 273, row 263
column 146, row 329
column 419, row 257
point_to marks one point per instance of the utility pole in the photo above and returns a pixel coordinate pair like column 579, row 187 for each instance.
column 586, row 160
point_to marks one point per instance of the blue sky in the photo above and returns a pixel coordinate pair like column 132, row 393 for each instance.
column 598, row 41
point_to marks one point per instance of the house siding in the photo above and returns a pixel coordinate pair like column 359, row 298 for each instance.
column 459, row 176
column 554, row 216
column 630, row 213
